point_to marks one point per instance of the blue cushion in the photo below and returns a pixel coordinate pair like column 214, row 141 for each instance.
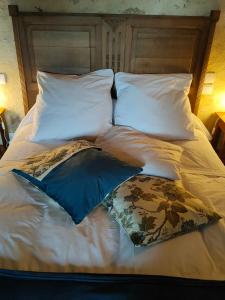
column 81, row 183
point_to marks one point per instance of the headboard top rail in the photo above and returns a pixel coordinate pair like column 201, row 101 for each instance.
column 14, row 11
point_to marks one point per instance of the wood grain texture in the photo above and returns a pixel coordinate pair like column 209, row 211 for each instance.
column 80, row 43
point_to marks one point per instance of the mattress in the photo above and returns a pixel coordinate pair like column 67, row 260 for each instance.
column 38, row 235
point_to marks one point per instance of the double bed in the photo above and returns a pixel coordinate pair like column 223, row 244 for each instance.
column 43, row 254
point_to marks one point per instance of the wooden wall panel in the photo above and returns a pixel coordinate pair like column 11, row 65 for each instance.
column 62, row 51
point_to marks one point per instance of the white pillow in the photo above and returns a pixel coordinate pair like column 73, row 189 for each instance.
column 70, row 106
column 155, row 104
column 156, row 157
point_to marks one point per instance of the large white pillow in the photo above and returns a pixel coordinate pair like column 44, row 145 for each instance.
column 156, row 157
column 155, row 104
column 70, row 106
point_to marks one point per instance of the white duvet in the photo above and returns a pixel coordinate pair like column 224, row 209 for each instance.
column 36, row 234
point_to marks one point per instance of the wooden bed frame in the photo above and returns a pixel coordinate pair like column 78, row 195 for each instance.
column 80, row 43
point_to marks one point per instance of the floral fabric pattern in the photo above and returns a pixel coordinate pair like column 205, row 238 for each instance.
column 153, row 209
column 40, row 165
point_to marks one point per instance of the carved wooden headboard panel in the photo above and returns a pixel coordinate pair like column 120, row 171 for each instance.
column 80, row 43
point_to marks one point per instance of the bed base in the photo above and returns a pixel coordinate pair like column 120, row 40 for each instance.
column 21, row 285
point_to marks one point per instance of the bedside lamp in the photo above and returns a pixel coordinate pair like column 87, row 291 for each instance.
column 220, row 101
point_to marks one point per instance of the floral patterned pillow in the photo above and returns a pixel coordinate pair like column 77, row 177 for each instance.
column 153, row 209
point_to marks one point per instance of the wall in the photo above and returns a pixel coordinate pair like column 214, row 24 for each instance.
column 11, row 95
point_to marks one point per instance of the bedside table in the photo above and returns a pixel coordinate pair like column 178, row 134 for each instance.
column 218, row 141
column 3, row 133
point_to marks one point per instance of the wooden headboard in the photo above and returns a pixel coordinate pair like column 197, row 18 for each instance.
column 80, row 43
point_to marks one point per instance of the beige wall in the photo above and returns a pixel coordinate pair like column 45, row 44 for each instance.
column 10, row 94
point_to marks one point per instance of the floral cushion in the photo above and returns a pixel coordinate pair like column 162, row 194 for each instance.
column 153, row 209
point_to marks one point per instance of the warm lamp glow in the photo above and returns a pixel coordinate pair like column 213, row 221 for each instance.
column 220, row 101
column 2, row 98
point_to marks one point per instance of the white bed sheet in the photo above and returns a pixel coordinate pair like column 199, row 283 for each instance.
column 36, row 234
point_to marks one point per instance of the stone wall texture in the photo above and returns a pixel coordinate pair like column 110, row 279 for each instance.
column 11, row 94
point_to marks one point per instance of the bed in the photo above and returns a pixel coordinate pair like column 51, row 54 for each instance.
column 43, row 254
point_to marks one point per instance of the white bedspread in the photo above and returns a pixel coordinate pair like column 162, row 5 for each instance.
column 38, row 235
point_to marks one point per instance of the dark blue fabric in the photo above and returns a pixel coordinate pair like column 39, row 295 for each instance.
column 82, row 182
column 22, row 285
column 33, row 180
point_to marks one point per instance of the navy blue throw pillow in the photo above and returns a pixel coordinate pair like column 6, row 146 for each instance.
column 81, row 183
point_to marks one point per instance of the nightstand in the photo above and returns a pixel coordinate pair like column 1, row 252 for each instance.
column 3, row 133
column 218, row 141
